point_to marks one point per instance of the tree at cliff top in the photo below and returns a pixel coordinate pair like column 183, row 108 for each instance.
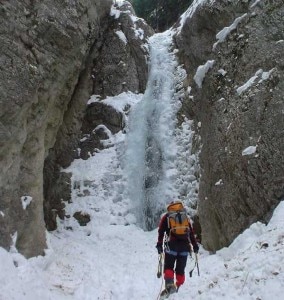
column 160, row 14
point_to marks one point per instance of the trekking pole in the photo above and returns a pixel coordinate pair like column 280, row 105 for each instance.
column 160, row 265
column 190, row 254
column 191, row 271
column 159, row 273
column 197, row 265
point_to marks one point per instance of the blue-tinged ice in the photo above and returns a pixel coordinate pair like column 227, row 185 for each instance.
column 150, row 145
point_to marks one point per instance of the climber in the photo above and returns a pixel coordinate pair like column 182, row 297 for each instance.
column 179, row 238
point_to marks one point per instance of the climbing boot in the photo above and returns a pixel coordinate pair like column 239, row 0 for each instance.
column 167, row 292
column 170, row 288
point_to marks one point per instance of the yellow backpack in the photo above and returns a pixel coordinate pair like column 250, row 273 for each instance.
column 178, row 221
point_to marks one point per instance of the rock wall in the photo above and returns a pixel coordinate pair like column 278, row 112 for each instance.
column 54, row 55
column 117, row 63
column 238, row 111
column 122, row 63
column 45, row 47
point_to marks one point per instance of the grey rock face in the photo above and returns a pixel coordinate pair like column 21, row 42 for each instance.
column 122, row 65
column 44, row 49
column 239, row 105
column 98, row 114
column 112, row 67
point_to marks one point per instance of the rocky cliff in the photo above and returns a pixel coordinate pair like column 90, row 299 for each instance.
column 53, row 57
column 118, row 63
column 233, row 54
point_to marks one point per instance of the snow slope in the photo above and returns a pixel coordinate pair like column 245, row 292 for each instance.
column 119, row 262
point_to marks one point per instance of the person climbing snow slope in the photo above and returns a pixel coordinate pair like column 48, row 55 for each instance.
column 175, row 226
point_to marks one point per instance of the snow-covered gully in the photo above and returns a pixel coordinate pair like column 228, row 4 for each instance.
column 113, row 257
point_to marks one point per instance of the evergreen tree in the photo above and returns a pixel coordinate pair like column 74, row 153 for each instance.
column 160, row 14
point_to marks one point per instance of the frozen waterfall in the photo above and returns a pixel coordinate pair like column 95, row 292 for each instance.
column 151, row 149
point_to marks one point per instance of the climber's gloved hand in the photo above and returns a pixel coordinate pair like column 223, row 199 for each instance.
column 195, row 248
column 159, row 247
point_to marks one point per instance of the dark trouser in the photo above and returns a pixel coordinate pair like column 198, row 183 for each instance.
column 175, row 262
